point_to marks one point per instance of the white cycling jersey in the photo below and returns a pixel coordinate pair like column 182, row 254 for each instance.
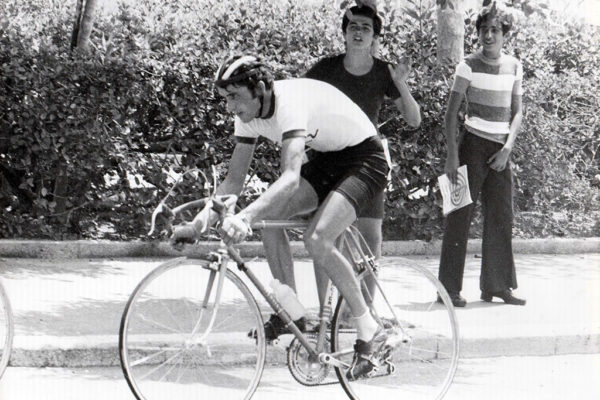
column 329, row 119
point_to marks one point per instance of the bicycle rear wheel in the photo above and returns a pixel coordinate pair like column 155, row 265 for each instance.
column 424, row 355
column 6, row 330
column 167, row 349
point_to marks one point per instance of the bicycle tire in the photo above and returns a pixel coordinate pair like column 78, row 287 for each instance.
column 423, row 367
column 160, row 359
column 6, row 330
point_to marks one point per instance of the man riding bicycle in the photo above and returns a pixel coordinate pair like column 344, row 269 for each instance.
column 347, row 171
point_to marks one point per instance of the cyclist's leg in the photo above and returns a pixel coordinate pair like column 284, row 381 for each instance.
column 322, row 281
column 353, row 193
column 369, row 224
column 275, row 241
column 346, row 181
column 332, row 218
column 278, row 252
column 279, row 256
column 370, row 229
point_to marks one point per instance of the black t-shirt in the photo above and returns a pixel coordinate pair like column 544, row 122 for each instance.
column 367, row 91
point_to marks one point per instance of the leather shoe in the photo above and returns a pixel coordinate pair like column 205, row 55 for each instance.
column 457, row 299
column 505, row 295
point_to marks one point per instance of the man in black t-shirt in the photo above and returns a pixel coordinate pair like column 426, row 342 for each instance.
column 368, row 81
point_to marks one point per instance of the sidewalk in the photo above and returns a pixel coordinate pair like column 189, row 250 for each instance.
column 67, row 311
column 108, row 249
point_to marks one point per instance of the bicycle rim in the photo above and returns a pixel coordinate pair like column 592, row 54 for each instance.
column 166, row 350
column 6, row 330
column 424, row 358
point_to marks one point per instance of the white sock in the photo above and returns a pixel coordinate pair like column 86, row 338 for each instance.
column 366, row 326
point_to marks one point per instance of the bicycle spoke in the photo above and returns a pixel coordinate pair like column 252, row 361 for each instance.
column 158, row 324
column 189, row 311
column 163, row 378
column 170, row 314
column 143, row 377
column 147, row 358
column 224, row 321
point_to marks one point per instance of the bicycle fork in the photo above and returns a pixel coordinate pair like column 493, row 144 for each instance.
column 220, row 268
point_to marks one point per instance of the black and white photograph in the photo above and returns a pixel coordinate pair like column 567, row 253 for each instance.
column 299, row 199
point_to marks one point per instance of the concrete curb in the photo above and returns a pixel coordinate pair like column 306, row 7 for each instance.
column 112, row 249
column 103, row 351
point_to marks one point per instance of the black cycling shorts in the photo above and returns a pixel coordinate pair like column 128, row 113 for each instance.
column 359, row 173
column 376, row 208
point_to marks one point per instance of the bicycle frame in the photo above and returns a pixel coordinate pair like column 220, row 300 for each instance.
column 351, row 241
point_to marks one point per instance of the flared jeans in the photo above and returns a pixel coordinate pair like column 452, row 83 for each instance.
column 495, row 190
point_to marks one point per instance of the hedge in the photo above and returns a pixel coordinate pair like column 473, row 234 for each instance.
column 90, row 142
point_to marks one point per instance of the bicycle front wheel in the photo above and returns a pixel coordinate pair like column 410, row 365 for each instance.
column 182, row 338
column 421, row 360
column 6, row 330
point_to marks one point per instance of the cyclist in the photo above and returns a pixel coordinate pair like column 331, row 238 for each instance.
column 347, row 172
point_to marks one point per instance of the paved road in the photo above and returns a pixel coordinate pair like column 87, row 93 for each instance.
column 515, row 378
column 66, row 304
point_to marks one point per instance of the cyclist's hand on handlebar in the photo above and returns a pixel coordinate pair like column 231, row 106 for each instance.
column 235, row 228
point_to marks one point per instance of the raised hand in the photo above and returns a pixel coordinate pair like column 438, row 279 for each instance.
column 401, row 71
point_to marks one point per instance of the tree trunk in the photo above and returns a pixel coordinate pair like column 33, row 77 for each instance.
column 82, row 29
column 451, row 33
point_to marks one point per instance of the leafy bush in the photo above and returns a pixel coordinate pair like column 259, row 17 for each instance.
column 124, row 120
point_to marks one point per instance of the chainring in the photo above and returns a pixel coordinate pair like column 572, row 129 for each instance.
column 305, row 371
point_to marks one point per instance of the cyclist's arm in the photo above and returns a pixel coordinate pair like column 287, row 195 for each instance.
column 283, row 188
column 239, row 164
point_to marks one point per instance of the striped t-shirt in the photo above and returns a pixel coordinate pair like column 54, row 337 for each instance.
column 489, row 86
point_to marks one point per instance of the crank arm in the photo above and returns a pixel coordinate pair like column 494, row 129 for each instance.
column 327, row 358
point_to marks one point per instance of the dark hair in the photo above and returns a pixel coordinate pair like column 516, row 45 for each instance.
column 365, row 11
column 243, row 70
column 491, row 12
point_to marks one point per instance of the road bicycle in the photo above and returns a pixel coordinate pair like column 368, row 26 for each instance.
column 6, row 329
column 186, row 331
